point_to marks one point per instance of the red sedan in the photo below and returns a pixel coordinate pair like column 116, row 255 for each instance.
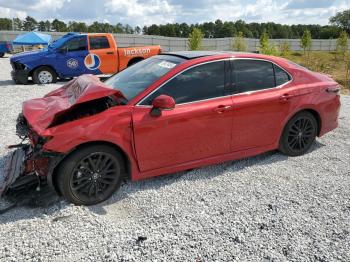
column 169, row 113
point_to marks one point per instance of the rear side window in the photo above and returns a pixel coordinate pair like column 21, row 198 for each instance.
column 198, row 83
column 75, row 44
column 281, row 76
column 98, row 42
column 252, row 75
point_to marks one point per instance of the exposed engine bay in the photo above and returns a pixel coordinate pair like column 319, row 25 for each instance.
column 86, row 109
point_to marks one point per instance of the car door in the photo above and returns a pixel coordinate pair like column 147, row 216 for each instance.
column 69, row 59
column 259, row 104
column 198, row 127
column 103, row 57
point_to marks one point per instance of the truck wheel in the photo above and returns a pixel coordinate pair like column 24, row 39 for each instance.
column 2, row 54
column 44, row 75
column 90, row 175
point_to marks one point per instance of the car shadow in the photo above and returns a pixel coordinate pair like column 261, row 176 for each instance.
column 35, row 204
column 7, row 82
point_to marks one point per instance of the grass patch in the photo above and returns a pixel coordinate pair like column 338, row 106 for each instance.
column 331, row 63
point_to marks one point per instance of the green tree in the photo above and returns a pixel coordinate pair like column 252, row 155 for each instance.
column 306, row 41
column 153, row 30
column 77, row 27
column 118, row 28
column 285, row 49
column 184, row 30
column 18, row 24
column 266, row 47
column 5, row 24
column 47, row 26
column 59, row 26
column 195, row 39
column 239, row 44
column 30, row 24
column 137, row 30
column 342, row 19
column 264, row 43
column 342, row 43
column 41, row 26
column 128, row 29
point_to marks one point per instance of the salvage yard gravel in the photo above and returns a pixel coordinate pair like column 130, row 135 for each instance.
column 264, row 208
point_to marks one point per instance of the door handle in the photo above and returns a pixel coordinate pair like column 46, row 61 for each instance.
column 286, row 97
column 222, row 108
column 110, row 53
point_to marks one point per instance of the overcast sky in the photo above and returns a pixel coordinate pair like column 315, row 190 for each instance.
column 146, row 12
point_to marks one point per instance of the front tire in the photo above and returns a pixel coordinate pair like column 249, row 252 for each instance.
column 90, row 175
column 299, row 134
column 44, row 75
column 2, row 54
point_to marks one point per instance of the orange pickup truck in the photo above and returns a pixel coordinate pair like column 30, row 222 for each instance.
column 76, row 54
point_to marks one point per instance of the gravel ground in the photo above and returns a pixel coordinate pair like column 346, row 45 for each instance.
column 265, row 208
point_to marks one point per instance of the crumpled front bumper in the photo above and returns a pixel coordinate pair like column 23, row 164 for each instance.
column 14, row 168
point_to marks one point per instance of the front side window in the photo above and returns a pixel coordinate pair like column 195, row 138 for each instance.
column 76, row 44
column 98, row 42
column 197, row 83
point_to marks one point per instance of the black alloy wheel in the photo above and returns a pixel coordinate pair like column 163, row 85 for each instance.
column 299, row 134
column 91, row 175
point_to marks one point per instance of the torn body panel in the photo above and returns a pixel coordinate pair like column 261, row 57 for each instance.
column 41, row 113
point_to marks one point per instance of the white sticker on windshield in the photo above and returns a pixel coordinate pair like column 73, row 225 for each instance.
column 167, row 64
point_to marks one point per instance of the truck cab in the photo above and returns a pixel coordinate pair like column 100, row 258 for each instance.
column 76, row 54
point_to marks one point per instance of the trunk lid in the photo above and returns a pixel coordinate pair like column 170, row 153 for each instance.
column 41, row 112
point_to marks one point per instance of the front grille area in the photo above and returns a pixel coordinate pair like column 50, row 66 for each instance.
column 17, row 66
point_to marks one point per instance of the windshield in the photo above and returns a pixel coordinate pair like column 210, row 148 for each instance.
column 135, row 79
column 57, row 43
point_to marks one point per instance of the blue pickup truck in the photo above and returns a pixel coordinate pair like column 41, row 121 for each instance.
column 76, row 54
column 5, row 47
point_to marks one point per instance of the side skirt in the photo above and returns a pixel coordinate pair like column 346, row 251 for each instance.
column 203, row 162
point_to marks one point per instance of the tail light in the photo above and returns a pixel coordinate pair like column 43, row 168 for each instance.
column 8, row 46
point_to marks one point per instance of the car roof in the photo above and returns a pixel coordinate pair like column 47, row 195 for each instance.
column 189, row 55
column 193, row 54
column 198, row 54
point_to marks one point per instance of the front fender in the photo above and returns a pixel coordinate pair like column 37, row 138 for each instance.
column 111, row 126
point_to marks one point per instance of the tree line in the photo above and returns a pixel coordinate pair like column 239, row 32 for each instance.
column 338, row 23
column 31, row 24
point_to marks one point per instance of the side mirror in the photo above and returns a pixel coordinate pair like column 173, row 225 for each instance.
column 162, row 102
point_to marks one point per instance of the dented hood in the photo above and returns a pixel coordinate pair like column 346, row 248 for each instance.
column 41, row 112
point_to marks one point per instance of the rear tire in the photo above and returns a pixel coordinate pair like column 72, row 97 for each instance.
column 299, row 134
column 90, row 175
column 44, row 75
column 2, row 54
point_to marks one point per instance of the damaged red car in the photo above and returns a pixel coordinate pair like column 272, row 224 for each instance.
column 168, row 113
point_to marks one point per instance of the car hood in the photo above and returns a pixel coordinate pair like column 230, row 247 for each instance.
column 28, row 55
column 40, row 113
